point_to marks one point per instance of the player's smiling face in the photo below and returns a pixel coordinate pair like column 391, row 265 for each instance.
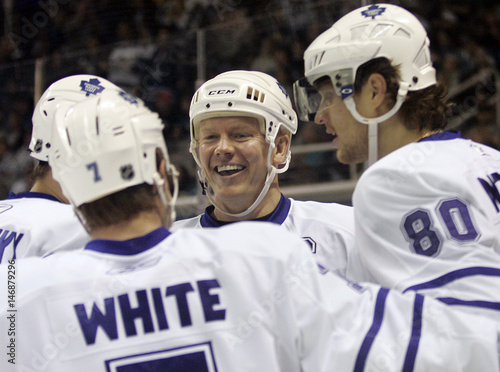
column 233, row 153
column 351, row 136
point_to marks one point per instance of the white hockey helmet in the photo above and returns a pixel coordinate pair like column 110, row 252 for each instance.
column 366, row 33
column 108, row 143
column 68, row 90
column 244, row 93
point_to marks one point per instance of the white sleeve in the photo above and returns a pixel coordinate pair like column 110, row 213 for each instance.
column 349, row 327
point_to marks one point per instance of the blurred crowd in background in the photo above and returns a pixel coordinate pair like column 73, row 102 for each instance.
column 150, row 48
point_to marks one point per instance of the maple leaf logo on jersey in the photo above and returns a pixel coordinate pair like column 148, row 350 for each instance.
column 91, row 87
column 373, row 11
column 129, row 98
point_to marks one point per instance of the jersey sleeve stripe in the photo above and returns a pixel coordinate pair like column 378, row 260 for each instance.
column 455, row 275
column 373, row 331
column 483, row 304
column 411, row 352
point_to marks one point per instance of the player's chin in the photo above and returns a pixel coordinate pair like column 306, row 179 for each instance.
column 342, row 156
column 346, row 157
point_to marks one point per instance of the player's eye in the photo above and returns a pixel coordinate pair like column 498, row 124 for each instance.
column 327, row 99
column 208, row 137
column 241, row 135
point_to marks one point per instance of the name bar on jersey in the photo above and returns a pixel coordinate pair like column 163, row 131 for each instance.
column 106, row 319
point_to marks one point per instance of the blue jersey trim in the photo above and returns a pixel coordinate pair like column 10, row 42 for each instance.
column 411, row 352
column 442, row 136
column 30, row 194
column 128, row 247
column 484, row 304
column 278, row 216
column 373, row 331
column 454, row 275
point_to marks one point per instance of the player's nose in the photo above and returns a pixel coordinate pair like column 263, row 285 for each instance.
column 224, row 146
column 320, row 117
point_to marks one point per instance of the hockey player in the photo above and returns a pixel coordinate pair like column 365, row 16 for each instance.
column 241, row 128
column 244, row 297
column 40, row 222
column 427, row 209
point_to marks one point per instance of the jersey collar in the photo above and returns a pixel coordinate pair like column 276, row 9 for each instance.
column 442, row 136
column 278, row 216
column 30, row 194
column 128, row 247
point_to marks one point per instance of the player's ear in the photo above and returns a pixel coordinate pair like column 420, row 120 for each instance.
column 376, row 89
column 281, row 150
column 161, row 165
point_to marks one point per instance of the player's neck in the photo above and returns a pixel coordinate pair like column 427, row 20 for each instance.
column 47, row 185
column 266, row 206
column 141, row 225
column 393, row 135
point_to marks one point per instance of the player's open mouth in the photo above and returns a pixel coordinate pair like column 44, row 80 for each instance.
column 331, row 133
column 229, row 169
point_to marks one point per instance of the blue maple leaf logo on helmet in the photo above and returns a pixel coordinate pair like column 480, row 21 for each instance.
column 129, row 98
column 373, row 11
column 91, row 87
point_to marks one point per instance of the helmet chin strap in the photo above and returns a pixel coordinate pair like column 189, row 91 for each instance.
column 271, row 173
column 373, row 122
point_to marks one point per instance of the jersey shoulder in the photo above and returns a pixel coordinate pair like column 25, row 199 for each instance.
column 35, row 210
column 338, row 216
column 246, row 238
column 193, row 222
column 435, row 157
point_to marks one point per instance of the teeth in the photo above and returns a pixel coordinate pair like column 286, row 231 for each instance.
column 229, row 167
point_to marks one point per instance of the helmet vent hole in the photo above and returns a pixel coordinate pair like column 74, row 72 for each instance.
column 359, row 33
column 230, row 104
column 45, row 113
column 382, row 30
column 255, row 95
column 403, row 33
column 208, row 105
column 422, row 59
column 68, row 137
column 318, row 58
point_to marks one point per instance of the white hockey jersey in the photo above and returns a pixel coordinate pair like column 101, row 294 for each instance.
column 428, row 220
column 36, row 224
column 328, row 228
column 221, row 300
